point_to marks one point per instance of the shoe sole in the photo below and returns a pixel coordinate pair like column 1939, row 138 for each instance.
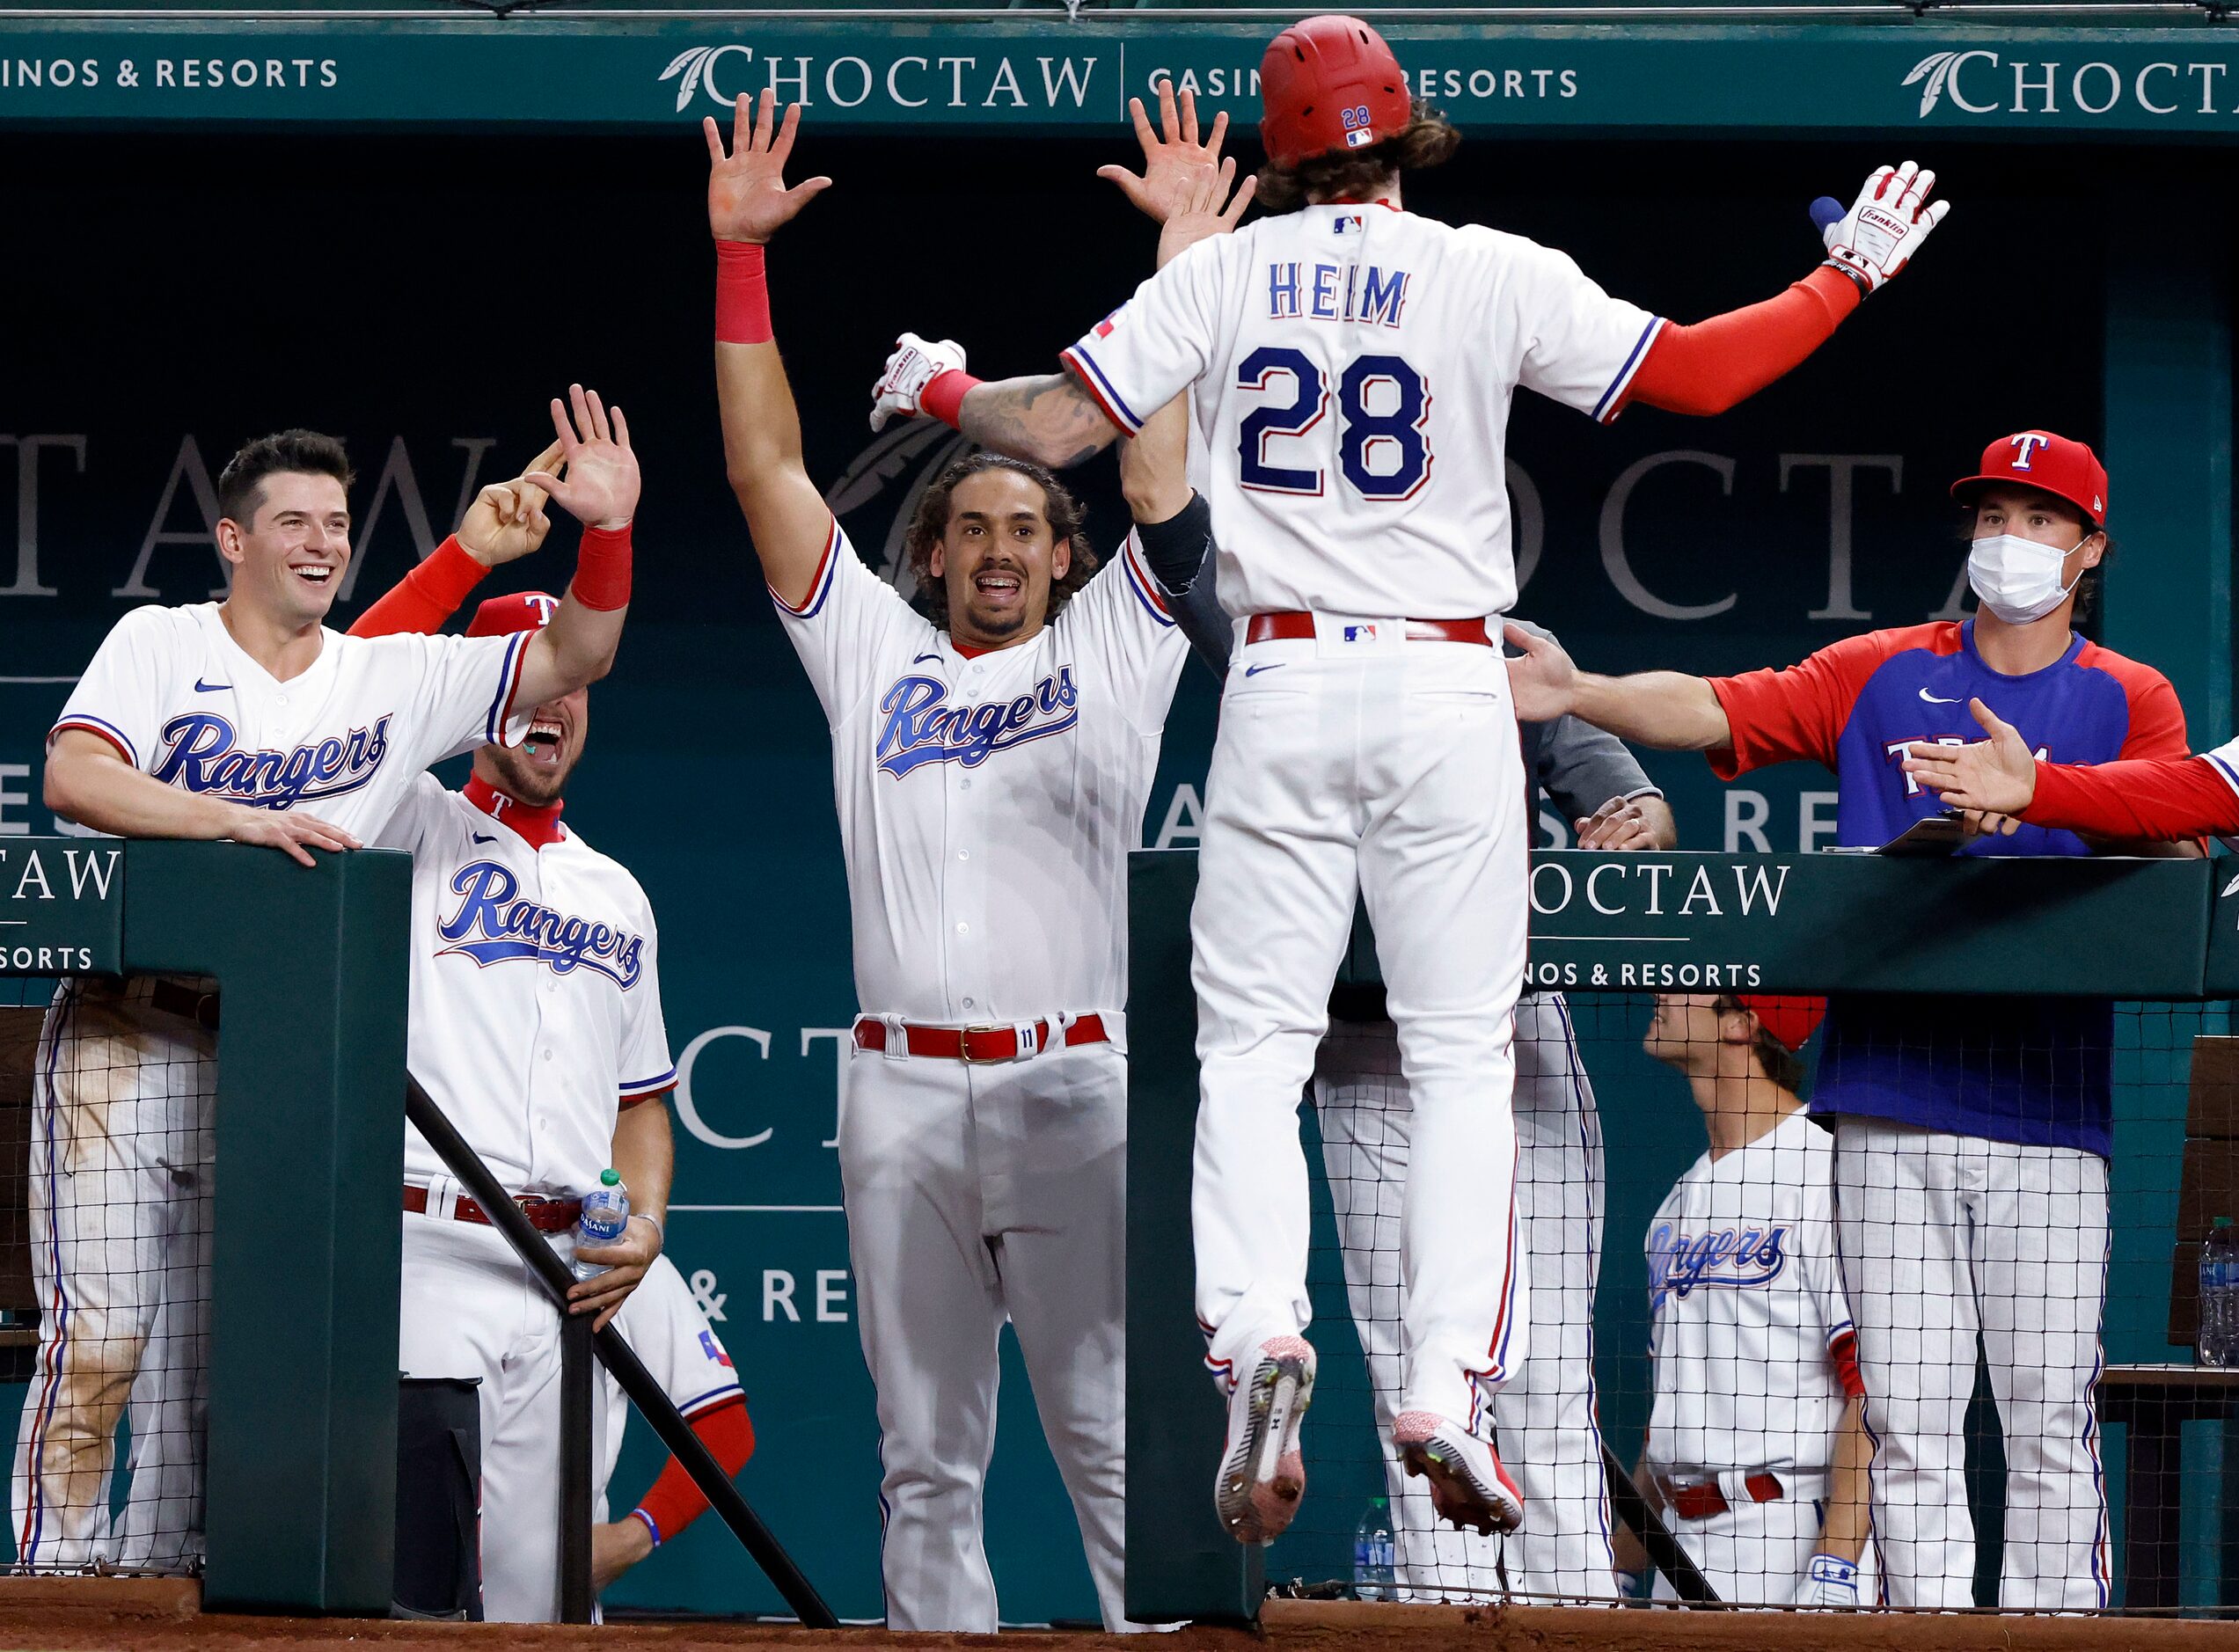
column 1454, row 1492
column 1263, row 1476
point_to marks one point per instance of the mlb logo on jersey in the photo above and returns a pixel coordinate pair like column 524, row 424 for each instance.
column 1348, row 224
column 1360, row 633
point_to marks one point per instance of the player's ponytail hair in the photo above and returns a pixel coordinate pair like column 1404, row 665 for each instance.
column 1068, row 521
column 1428, row 139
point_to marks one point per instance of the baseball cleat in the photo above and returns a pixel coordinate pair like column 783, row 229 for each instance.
column 1468, row 1486
column 1261, row 1474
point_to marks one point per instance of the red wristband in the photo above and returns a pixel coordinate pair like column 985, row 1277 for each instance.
column 603, row 569
column 741, row 294
column 944, row 397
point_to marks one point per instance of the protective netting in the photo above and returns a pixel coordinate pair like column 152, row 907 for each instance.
column 106, row 1090
column 2003, row 1328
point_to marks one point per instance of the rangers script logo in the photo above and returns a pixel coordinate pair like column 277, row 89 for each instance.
column 198, row 754
column 1746, row 1259
column 493, row 927
column 922, row 727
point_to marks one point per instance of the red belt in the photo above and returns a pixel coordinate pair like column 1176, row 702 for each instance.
column 1703, row 1499
column 1299, row 628
column 976, row 1044
column 546, row 1216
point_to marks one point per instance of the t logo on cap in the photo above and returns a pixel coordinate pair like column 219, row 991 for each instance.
column 2025, row 444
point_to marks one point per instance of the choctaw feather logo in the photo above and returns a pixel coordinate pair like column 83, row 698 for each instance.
column 1934, row 68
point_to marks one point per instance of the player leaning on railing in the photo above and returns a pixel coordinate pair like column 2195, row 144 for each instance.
column 249, row 719
column 1972, row 1133
column 1364, row 532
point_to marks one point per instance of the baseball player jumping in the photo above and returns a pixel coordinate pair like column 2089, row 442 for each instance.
column 1756, row 1448
column 991, row 758
column 243, row 720
column 1972, row 1135
column 1350, row 367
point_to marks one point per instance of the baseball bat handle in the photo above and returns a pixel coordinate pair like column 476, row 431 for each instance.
column 1663, row 1549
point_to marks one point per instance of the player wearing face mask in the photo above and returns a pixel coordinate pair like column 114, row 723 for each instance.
column 1972, row 1134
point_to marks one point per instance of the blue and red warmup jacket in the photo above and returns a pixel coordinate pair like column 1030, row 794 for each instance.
column 2033, row 1070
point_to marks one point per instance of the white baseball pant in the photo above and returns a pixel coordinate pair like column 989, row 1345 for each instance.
column 120, row 1201
column 469, row 1308
column 1945, row 1238
column 1548, row 1431
column 976, row 1192
column 1391, row 768
column 1759, row 1553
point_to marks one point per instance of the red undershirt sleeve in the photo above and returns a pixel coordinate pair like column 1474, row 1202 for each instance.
column 1712, row 365
column 425, row 597
column 2136, row 799
column 1844, row 1352
column 674, row 1502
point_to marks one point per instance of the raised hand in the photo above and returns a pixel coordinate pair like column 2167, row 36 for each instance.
column 1994, row 779
column 914, row 364
column 1885, row 226
column 747, row 197
column 1543, row 682
column 602, row 486
column 506, row 519
column 1174, row 161
column 1207, row 212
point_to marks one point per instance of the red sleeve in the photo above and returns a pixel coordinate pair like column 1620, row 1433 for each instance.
column 425, row 597
column 1844, row 1352
column 674, row 1502
column 1713, row 365
column 1778, row 716
column 2194, row 798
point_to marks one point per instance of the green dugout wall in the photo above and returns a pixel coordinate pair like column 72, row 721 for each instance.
column 192, row 280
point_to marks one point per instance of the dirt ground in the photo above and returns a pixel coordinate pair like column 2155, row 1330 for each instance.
column 144, row 1615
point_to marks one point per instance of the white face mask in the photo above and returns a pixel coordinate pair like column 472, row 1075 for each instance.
column 2017, row 578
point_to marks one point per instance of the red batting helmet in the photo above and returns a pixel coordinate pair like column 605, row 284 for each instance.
column 502, row 616
column 2051, row 465
column 1327, row 83
column 1791, row 1021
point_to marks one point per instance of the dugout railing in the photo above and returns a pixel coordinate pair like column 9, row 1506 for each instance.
column 2159, row 937
column 310, row 966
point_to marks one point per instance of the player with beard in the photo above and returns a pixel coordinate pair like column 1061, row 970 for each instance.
column 991, row 754
column 536, row 1025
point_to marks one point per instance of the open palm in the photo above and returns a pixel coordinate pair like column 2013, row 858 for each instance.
column 747, row 197
column 1174, row 164
column 601, row 489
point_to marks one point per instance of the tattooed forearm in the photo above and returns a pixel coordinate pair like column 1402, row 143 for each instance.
column 1049, row 420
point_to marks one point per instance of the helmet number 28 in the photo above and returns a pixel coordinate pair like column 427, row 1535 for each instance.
column 1382, row 405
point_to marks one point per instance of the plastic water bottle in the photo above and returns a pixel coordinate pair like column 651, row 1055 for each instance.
column 1373, row 1555
column 606, row 1214
column 2219, row 1343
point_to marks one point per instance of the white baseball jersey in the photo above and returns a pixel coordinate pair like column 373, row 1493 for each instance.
column 1353, row 367
column 666, row 1330
column 987, row 800
column 1749, row 1329
column 535, row 1000
column 345, row 740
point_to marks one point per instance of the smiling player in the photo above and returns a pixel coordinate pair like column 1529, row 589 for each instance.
column 991, row 757
column 245, row 719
